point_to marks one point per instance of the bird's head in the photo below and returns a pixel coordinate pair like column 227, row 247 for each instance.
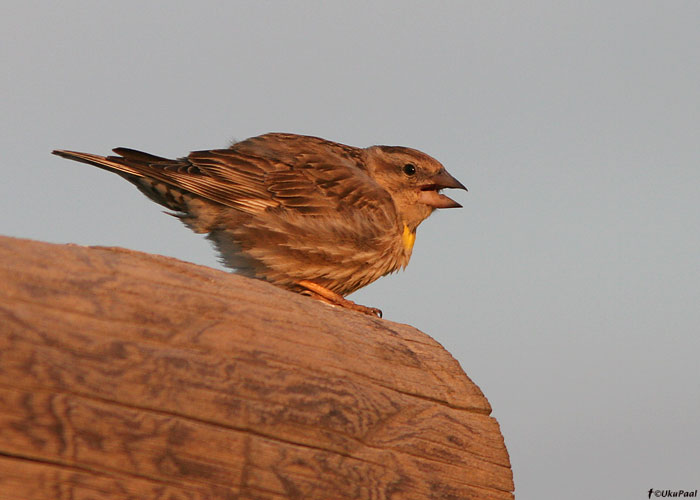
column 414, row 181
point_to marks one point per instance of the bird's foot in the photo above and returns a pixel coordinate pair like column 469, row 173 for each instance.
column 325, row 295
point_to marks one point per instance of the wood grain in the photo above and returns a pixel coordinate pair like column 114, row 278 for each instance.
column 127, row 375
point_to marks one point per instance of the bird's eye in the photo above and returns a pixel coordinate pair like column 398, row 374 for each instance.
column 409, row 169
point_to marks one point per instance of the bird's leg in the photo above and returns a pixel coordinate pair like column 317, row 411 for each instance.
column 325, row 295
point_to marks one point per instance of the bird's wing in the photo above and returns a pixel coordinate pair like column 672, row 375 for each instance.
column 309, row 181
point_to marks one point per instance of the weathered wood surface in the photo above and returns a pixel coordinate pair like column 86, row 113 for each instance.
column 127, row 375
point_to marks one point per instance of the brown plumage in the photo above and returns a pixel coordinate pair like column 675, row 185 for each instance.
column 301, row 212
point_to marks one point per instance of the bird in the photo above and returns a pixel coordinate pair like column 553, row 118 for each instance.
column 306, row 214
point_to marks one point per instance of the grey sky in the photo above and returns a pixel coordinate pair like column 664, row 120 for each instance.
column 568, row 286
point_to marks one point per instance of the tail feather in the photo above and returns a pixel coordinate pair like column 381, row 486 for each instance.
column 139, row 168
column 139, row 156
column 111, row 163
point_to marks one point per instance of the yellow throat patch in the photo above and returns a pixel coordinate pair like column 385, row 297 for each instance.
column 408, row 238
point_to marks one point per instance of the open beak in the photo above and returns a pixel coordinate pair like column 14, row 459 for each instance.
column 430, row 192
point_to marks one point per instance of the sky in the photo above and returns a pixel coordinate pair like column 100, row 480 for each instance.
column 568, row 287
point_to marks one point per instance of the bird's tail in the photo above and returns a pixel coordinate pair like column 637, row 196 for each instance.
column 142, row 169
column 130, row 161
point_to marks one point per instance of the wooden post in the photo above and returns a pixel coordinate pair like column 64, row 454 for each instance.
column 125, row 375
